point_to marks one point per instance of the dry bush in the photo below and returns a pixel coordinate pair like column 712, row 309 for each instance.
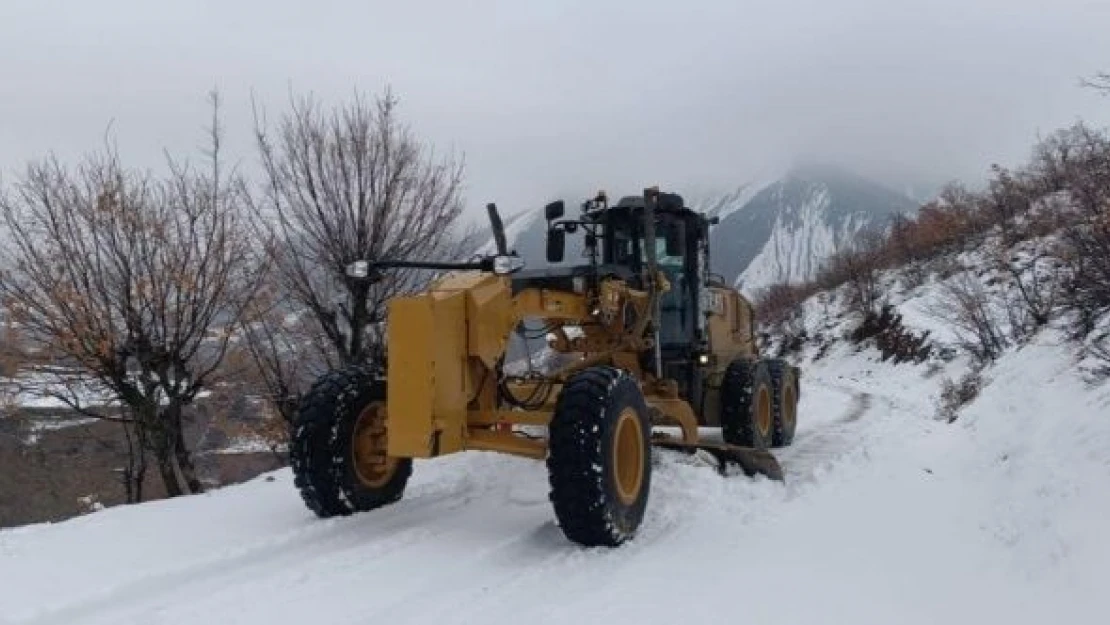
column 1087, row 171
column 858, row 266
column 894, row 341
column 1034, row 286
column 1009, row 197
column 946, row 225
column 779, row 312
column 976, row 316
column 778, row 303
column 1087, row 259
column 956, row 395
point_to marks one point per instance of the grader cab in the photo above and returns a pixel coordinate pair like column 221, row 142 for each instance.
column 648, row 349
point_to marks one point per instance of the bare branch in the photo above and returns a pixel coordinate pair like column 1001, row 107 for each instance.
column 1098, row 82
column 349, row 184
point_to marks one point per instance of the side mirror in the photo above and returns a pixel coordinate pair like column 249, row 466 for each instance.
column 556, row 244
column 554, row 210
column 676, row 239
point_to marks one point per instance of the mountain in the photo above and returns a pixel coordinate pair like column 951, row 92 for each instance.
column 783, row 230
column 777, row 227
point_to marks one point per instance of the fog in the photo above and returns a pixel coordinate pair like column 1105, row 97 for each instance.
column 563, row 98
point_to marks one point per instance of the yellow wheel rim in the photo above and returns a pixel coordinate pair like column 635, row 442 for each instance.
column 763, row 410
column 628, row 456
column 373, row 466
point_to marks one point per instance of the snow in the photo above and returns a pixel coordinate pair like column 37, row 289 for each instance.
column 888, row 515
column 44, row 391
column 40, row 425
column 247, row 444
column 727, row 204
column 794, row 254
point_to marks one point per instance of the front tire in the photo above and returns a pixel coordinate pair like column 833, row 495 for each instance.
column 599, row 457
column 337, row 452
column 747, row 400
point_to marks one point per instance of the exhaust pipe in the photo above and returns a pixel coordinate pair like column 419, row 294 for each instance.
column 651, row 197
column 498, row 229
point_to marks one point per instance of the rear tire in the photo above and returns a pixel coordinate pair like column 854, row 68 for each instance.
column 747, row 404
column 785, row 387
column 326, row 446
column 599, row 457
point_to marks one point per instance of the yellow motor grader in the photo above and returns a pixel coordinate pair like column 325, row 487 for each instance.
column 649, row 348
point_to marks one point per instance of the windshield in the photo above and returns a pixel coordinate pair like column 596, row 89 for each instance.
column 624, row 244
column 661, row 257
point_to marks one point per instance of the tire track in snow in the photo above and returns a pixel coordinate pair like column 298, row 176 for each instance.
column 473, row 541
column 816, row 452
column 861, row 404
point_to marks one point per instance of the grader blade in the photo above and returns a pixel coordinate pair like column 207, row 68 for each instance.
column 750, row 460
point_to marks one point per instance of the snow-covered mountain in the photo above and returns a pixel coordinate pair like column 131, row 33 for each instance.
column 784, row 229
column 772, row 228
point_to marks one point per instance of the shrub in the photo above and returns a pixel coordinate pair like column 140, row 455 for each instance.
column 974, row 314
column 893, row 340
column 956, row 395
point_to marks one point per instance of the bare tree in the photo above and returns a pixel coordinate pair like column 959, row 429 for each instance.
column 353, row 184
column 130, row 288
column 1098, row 82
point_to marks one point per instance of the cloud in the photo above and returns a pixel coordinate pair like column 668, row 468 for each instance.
column 550, row 98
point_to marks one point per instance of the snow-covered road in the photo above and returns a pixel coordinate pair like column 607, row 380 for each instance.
column 888, row 516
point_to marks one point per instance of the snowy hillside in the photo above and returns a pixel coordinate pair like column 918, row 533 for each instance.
column 888, row 515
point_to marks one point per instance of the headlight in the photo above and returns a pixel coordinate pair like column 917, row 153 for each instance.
column 507, row 264
column 578, row 283
column 358, row 269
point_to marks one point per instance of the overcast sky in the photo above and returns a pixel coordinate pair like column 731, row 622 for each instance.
column 548, row 98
